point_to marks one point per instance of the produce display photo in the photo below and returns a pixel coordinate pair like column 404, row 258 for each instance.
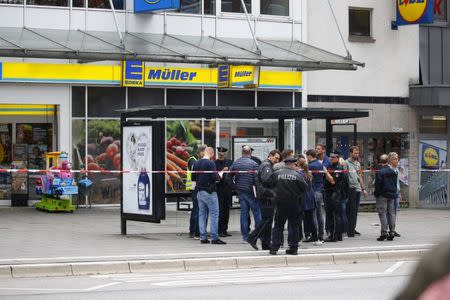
column 183, row 138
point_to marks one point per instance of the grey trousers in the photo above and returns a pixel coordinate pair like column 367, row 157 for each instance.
column 386, row 213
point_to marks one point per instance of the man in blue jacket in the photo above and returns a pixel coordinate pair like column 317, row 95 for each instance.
column 386, row 192
column 243, row 171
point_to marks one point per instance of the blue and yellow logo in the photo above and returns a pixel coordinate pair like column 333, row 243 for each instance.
column 152, row 1
column 414, row 12
column 133, row 73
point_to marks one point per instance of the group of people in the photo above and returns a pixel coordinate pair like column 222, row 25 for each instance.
column 318, row 195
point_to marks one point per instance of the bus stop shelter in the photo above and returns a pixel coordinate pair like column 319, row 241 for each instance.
column 153, row 117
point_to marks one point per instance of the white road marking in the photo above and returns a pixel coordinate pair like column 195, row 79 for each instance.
column 209, row 254
column 94, row 288
column 394, row 267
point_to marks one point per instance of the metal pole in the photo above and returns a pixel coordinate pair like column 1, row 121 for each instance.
column 349, row 56
column 329, row 135
column 250, row 26
column 281, row 134
column 115, row 21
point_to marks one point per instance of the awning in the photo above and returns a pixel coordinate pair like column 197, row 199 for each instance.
column 103, row 45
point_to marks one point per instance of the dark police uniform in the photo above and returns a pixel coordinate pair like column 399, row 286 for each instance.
column 334, row 194
column 224, row 193
column 289, row 185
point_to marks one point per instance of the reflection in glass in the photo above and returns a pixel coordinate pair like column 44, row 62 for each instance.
column 118, row 4
column 190, row 6
column 48, row 2
column 235, row 6
column 275, row 7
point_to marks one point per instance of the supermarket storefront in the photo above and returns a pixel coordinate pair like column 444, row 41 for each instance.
column 73, row 107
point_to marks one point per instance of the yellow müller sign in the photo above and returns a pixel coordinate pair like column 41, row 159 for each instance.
column 156, row 76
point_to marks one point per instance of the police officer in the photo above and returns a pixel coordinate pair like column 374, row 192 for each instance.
column 336, row 184
column 223, row 191
column 289, row 185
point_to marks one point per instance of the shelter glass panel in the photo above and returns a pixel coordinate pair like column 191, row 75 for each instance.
column 275, row 7
column 103, row 102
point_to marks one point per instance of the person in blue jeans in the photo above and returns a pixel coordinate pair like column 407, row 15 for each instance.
column 205, row 185
column 316, row 169
column 243, row 173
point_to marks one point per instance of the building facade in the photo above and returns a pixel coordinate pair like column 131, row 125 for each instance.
column 391, row 65
column 71, row 105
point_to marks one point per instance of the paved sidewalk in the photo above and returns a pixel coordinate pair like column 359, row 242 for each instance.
column 30, row 236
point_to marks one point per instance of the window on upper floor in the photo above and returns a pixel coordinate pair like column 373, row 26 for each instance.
column 234, row 6
column 11, row 1
column 195, row 7
column 48, row 2
column 440, row 11
column 118, row 4
column 274, row 7
column 360, row 24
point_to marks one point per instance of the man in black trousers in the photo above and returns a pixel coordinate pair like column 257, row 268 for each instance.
column 223, row 191
column 265, row 196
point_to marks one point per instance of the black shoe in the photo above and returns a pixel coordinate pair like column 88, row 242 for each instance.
column 339, row 239
column 397, row 234
column 191, row 235
column 222, row 235
column 382, row 238
column 391, row 237
column 253, row 244
column 218, row 242
column 291, row 251
column 357, row 233
column 227, row 234
column 309, row 240
column 330, row 240
column 321, row 238
column 350, row 235
column 265, row 247
column 273, row 252
column 204, row 242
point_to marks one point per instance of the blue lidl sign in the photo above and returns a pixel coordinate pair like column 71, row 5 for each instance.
column 141, row 6
column 415, row 12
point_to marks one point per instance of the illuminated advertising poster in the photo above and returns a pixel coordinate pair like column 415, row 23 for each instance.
column 261, row 146
column 137, row 158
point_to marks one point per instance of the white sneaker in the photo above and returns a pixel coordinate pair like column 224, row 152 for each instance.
column 318, row 243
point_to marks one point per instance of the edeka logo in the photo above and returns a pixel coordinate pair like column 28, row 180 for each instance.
column 430, row 157
column 223, row 76
column 414, row 12
column 171, row 75
column 133, row 73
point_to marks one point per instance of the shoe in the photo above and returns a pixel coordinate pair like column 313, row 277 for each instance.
column 309, row 240
column 351, row 235
column 222, row 235
column 265, row 247
column 339, row 239
column 382, row 238
column 253, row 244
column 218, row 242
column 357, row 233
column 391, row 237
column 291, row 251
column 273, row 252
column 227, row 234
column 397, row 234
column 196, row 237
column 191, row 235
column 321, row 238
column 204, row 242
column 318, row 243
column 330, row 240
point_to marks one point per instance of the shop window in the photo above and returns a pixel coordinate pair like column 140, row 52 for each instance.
column 234, row 6
column 118, row 4
column 48, row 2
column 433, row 124
column 236, row 98
column 79, row 144
column 104, row 102
column 210, row 97
column 298, row 99
column 275, row 99
column 78, row 3
column 184, row 97
column 104, row 154
column 440, row 11
column 11, row 2
column 275, row 7
column 139, row 97
column 78, row 101
column 360, row 24
column 191, row 6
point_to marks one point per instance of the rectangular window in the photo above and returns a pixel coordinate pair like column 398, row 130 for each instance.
column 359, row 22
column 236, row 98
column 78, row 3
column 210, row 7
column 275, row 7
column 191, row 6
column 440, row 11
column 118, row 4
column 145, row 97
column 433, row 124
column 11, row 2
column 48, row 2
column 235, row 6
column 78, row 101
column 104, row 102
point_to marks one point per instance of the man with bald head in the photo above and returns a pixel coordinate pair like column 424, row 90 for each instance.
column 243, row 172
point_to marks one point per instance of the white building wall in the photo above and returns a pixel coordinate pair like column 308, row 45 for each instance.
column 392, row 61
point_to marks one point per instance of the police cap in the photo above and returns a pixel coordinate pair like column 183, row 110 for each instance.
column 222, row 149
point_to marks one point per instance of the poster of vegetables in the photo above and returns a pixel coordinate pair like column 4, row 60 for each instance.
column 183, row 138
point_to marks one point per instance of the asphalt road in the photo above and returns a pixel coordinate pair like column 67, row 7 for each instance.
column 355, row 281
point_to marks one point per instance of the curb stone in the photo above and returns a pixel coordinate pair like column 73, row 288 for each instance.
column 204, row 264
